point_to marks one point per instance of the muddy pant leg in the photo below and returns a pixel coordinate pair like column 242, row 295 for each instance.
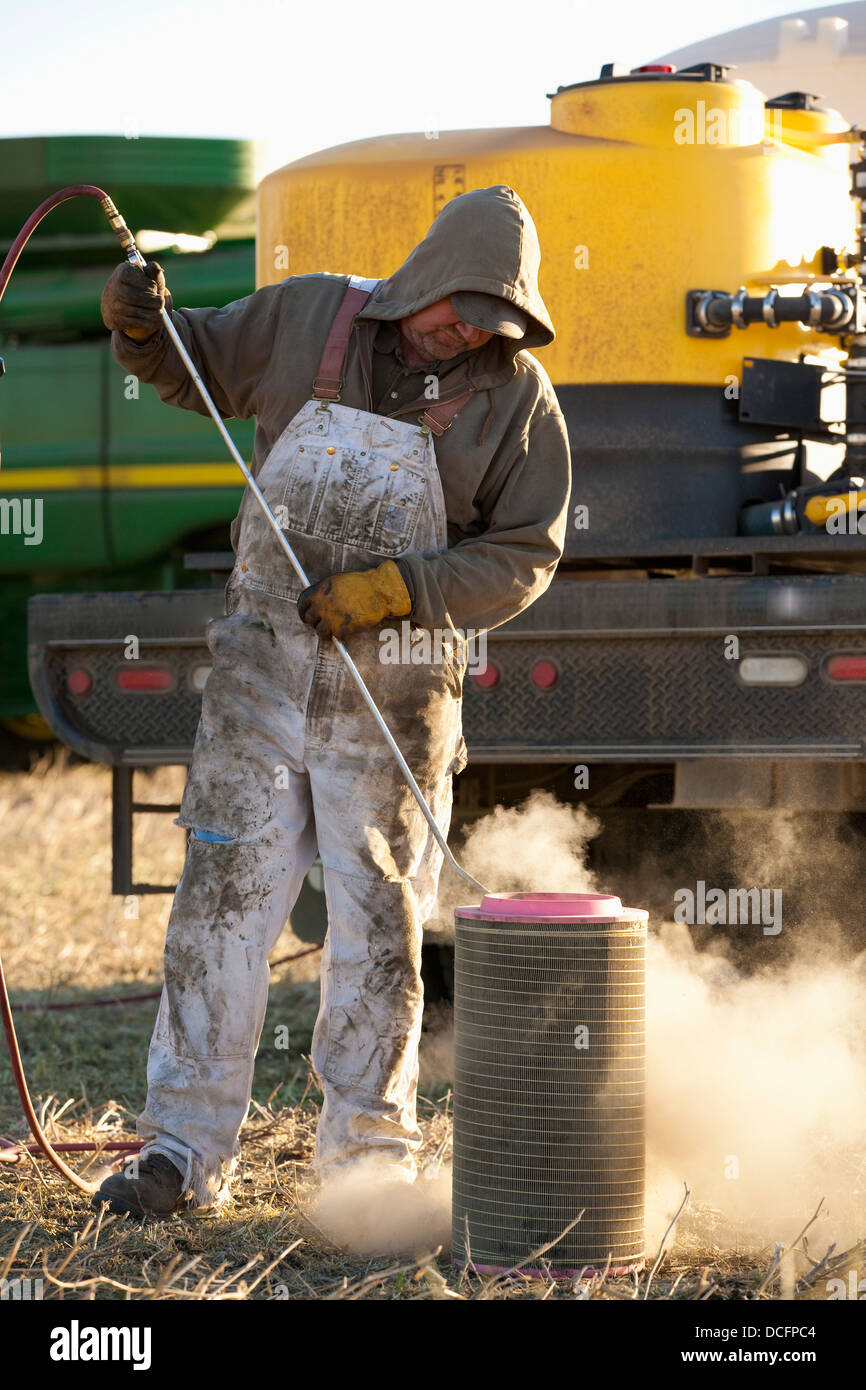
column 365, row 1046
column 247, row 801
column 381, row 866
column 230, row 907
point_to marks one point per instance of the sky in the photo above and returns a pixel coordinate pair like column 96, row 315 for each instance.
column 298, row 76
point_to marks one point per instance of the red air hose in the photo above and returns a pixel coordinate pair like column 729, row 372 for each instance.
column 11, row 1153
column 77, row 190
column 124, row 236
column 24, row 1095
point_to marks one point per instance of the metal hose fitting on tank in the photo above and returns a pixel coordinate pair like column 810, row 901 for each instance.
column 713, row 312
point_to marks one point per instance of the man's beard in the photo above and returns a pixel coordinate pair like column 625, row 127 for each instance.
column 430, row 347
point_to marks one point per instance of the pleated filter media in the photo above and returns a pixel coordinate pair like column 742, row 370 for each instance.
column 549, row 1096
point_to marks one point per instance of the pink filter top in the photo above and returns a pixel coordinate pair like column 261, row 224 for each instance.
column 551, row 907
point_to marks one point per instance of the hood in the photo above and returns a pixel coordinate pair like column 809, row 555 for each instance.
column 484, row 240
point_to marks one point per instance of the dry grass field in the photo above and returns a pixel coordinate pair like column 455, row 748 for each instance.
column 64, row 938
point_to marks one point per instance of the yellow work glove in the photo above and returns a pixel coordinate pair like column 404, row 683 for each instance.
column 347, row 603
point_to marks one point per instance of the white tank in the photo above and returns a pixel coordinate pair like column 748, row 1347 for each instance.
column 822, row 51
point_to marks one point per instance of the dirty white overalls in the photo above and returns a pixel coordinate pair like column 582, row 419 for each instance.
column 288, row 761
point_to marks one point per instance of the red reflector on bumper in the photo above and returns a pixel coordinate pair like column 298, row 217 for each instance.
column 78, row 682
column 144, row 678
column 847, row 668
column 487, row 677
column 544, row 674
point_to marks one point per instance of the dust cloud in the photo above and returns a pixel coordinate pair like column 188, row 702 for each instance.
column 756, row 1093
column 756, row 1082
column 540, row 845
column 437, row 1046
column 756, row 1072
column 370, row 1212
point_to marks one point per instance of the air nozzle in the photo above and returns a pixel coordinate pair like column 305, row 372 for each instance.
column 121, row 231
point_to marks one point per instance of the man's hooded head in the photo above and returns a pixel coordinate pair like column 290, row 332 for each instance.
column 482, row 252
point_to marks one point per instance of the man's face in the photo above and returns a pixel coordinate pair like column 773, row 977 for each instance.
column 436, row 333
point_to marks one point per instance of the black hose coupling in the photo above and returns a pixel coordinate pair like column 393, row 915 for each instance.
column 712, row 313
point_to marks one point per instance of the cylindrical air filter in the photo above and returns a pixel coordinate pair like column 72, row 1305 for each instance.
column 549, row 1095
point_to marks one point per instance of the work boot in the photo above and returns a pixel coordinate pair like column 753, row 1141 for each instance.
column 154, row 1191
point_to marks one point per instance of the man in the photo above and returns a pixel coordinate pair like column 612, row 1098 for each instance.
column 414, row 453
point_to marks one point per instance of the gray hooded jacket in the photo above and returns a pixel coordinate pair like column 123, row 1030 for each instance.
column 504, row 461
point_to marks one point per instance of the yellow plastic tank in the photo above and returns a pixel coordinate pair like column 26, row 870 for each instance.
column 642, row 187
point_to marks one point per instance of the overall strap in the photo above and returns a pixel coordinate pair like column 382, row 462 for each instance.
column 330, row 375
column 439, row 418
column 329, row 379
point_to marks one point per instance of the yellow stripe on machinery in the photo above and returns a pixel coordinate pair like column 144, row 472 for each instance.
column 119, row 476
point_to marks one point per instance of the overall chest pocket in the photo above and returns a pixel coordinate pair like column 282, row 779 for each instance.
column 353, row 497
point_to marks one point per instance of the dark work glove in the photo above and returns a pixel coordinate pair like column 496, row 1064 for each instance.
column 132, row 299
